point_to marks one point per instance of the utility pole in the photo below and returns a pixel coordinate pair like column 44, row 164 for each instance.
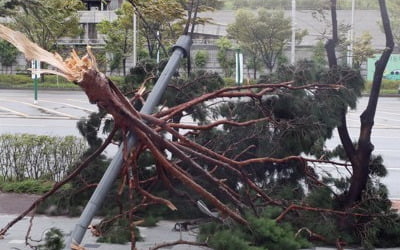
column 158, row 46
column 350, row 54
column 293, row 45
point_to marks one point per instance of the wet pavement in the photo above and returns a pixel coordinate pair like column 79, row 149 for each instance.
column 162, row 233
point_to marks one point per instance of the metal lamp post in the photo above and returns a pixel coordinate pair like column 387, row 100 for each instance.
column 180, row 49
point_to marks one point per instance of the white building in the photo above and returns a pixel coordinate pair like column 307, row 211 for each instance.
column 205, row 35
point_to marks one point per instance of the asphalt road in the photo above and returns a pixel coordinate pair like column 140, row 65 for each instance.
column 385, row 137
column 58, row 111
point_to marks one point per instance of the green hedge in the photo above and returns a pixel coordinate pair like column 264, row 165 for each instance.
column 26, row 186
column 19, row 81
column 14, row 80
column 26, row 156
column 388, row 87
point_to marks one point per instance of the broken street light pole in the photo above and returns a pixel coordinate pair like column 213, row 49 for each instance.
column 180, row 49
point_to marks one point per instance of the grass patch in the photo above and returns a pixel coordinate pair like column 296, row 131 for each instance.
column 28, row 186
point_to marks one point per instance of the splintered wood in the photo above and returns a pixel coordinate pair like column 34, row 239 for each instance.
column 72, row 68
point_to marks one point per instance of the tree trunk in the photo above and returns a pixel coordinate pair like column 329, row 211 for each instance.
column 255, row 67
column 360, row 156
column 176, row 119
column 124, row 66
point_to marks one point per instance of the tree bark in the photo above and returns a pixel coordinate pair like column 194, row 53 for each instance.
column 360, row 156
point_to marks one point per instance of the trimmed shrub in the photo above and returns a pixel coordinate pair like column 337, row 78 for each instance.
column 26, row 156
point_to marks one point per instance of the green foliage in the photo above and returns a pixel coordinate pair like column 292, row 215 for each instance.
column 262, row 233
column 183, row 90
column 319, row 54
column 25, row 156
column 362, row 49
column 54, row 240
column 200, row 59
column 300, row 4
column 23, row 80
column 274, row 236
column 225, row 56
column 264, row 35
column 302, row 121
column 228, row 239
column 26, row 186
column 229, row 81
column 139, row 74
column 320, row 197
column 117, row 232
column 8, row 53
column 118, row 36
column 149, row 221
column 70, row 201
column 53, row 20
column 15, row 80
column 156, row 14
column 9, row 7
column 388, row 86
column 376, row 166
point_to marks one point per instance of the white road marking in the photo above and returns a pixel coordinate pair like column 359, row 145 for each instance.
column 50, row 110
column 42, row 117
column 13, row 111
column 17, row 242
column 70, row 105
column 46, row 110
column 76, row 100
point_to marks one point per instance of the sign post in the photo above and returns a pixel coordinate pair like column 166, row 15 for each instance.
column 239, row 67
column 35, row 77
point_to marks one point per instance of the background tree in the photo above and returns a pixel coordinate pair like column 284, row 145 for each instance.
column 359, row 154
column 319, row 54
column 8, row 54
column 394, row 15
column 225, row 56
column 118, row 36
column 245, row 18
column 201, row 59
column 55, row 19
column 300, row 4
column 162, row 21
column 159, row 23
column 362, row 49
column 48, row 23
column 266, row 34
column 8, row 7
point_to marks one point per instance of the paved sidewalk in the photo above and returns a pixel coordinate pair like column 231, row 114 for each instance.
column 15, row 238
